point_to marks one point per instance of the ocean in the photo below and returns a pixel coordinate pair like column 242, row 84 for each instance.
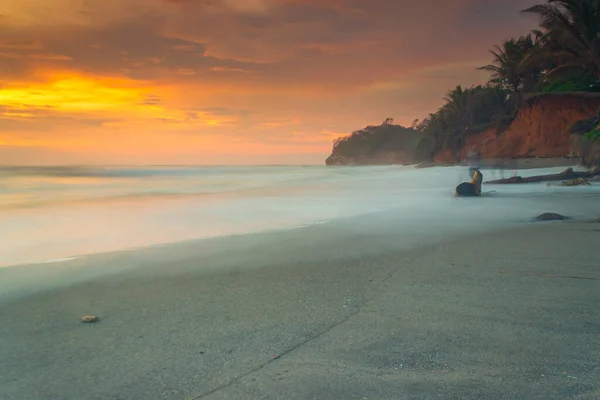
column 51, row 214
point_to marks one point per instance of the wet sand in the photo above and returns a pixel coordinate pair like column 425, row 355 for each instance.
column 318, row 313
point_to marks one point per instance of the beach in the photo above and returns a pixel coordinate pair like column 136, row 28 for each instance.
column 332, row 311
column 300, row 200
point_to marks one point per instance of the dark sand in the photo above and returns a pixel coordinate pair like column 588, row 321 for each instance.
column 319, row 314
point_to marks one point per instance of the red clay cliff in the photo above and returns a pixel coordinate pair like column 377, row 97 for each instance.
column 541, row 129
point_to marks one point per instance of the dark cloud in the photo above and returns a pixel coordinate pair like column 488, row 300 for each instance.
column 134, row 48
column 273, row 72
column 295, row 42
column 353, row 42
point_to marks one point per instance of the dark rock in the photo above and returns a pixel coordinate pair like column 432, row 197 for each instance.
column 550, row 217
column 466, row 189
column 473, row 188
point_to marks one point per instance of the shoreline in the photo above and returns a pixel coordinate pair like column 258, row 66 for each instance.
column 304, row 315
column 25, row 279
column 184, row 242
column 68, row 263
column 524, row 163
column 510, row 164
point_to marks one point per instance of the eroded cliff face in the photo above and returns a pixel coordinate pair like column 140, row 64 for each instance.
column 541, row 129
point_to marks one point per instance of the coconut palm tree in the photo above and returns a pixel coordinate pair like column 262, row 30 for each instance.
column 508, row 68
column 572, row 30
column 458, row 105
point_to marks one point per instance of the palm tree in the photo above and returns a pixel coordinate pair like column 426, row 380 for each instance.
column 505, row 67
column 457, row 103
column 572, row 30
column 491, row 104
column 466, row 111
column 508, row 68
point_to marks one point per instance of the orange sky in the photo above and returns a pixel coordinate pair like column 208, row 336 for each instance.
column 229, row 81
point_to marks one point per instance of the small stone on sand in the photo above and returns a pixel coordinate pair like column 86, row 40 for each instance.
column 89, row 319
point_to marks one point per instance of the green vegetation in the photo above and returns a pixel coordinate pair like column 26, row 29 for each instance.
column 588, row 139
column 372, row 141
column 575, row 83
column 466, row 111
column 586, row 126
column 593, row 135
column 587, row 133
column 563, row 55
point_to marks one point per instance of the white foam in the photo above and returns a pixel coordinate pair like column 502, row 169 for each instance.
column 57, row 260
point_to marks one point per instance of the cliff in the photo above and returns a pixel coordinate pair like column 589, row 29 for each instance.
column 541, row 129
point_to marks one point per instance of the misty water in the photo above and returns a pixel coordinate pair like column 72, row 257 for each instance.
column 53, row 213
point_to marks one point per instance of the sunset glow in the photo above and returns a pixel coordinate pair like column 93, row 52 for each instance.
column 73, row 94
column 165, row 81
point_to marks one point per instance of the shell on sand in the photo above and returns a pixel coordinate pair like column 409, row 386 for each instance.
column 89, row 319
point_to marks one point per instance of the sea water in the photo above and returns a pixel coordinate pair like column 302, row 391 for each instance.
column 56, row 213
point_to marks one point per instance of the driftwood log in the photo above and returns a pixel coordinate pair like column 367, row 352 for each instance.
column 565, row 175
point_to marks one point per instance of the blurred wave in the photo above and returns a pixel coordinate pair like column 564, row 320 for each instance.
column 59, row 212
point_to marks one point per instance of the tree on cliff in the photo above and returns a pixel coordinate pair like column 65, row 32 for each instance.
column 509, row 69
column 466, row 111
column 572, row 36
column 370, row 144
column 563, row 55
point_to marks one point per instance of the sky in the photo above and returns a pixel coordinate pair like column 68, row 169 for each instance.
column 229, row 81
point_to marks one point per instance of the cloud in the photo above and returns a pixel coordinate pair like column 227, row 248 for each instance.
column 151, row 100
column 34, row 126
column 293, row 42
column 258, row 71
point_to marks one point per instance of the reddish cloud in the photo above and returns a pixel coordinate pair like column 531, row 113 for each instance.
column 335, row 65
